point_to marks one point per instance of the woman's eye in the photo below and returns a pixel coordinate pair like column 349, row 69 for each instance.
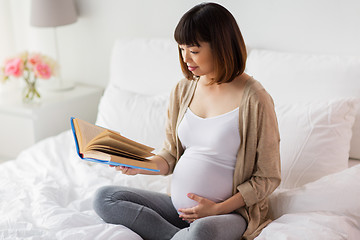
column 193, row 52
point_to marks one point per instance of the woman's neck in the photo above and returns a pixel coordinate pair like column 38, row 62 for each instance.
column 237, row 82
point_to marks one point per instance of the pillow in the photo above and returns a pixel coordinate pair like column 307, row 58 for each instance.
column 294, row 77
column 302, row 77
column 136, row 116
column 315, row 139
column 337, row 193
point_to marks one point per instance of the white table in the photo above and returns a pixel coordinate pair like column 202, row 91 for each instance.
column 22, row 125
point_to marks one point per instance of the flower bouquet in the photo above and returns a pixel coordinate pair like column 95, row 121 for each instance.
column 30, row 67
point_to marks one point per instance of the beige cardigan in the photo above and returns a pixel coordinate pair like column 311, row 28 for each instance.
column 257, row 169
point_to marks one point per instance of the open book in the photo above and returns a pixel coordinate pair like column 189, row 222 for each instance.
column 97, row 144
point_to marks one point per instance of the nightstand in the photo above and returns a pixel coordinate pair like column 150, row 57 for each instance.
column 22, row 125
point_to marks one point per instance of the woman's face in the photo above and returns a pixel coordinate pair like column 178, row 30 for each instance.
column 199, row 59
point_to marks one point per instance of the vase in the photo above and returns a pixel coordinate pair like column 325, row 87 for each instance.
column 30, row 93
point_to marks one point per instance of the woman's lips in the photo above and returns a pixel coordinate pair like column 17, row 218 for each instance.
column 192, row 68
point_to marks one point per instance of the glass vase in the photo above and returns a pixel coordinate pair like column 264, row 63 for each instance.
column 30, row 93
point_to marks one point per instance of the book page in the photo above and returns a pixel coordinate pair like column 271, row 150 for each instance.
column 116, row 152
column 117, row 144
column 87, row 131
column 142, row 164
column 97, row 155
column 128, row 141
column 145, row 164
column 77, row 135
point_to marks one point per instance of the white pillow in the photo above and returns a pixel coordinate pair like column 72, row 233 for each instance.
column 337, row 193
column 136, row 116
column 294, row 77
column 315, row 139
column 304, row 77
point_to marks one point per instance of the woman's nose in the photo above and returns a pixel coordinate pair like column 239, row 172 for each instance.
column 186, row 57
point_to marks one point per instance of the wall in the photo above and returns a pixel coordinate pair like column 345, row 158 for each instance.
column 6, row 33
column 318, row 26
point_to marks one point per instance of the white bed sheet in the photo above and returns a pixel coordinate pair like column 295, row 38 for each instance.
column 312, row 226
column 46, row 193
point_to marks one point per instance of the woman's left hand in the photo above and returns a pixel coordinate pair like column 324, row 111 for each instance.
column 205, row 208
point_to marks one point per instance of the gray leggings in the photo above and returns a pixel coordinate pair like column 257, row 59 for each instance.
column 153, row 217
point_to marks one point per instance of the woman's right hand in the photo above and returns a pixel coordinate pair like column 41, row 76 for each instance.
column 126, row 170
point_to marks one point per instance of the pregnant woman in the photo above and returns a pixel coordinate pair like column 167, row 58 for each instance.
column 222, row 144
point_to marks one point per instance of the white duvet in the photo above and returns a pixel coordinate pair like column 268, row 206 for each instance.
column 46, row 193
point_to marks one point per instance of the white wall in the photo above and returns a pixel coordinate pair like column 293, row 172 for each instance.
column 6, row 33
column 318, row 26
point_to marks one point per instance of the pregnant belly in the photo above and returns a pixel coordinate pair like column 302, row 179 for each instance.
column 201, row 176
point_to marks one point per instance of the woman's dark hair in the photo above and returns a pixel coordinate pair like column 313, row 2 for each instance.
column 212, row 23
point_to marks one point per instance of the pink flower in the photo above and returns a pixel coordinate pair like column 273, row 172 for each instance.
column 42, row 70
column 14, row 67
column 34, row 59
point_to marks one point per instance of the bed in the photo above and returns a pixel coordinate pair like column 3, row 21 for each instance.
column 47, row 191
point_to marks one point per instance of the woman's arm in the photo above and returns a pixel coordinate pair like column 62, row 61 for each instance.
column 231, row 204
column 160, row 162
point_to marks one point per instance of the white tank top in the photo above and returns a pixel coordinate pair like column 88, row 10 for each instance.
column 206, row 167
